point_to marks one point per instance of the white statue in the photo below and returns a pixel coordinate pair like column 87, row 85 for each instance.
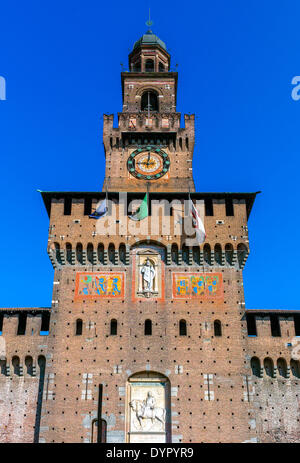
column 149, row 405
column 148, row 273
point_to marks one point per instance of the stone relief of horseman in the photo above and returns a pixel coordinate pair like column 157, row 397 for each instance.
column 147, row 410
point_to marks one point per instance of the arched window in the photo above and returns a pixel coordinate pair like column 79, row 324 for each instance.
column 282, row 367
column 111, row 253
column 136, row 67
column 79, row 253
column 228, row 253
column 218, row 254
column 149, row 65
column 100, row 253
column 174, row 254
column 149, row 101
column 295, row 369
column 148, row 328
column 206, row 253
column 42, row 363
column 29, row 365
column 217, row 328
column 182, row 328
column 196, row 255
column 90, row 250
column 16, row 365
column 113, row 327
column 122, row 253
column 161, row 67
column 57, row 252
column 269, row 367
column 69, row 252
column 78, row 327
column 255, row 366
column 185, row 254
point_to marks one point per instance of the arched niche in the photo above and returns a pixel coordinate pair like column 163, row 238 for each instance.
column 148, row 283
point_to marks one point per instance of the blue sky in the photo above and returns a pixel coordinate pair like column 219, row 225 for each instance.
column 236, row 60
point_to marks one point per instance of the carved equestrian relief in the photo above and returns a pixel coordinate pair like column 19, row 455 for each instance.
column 147, row 410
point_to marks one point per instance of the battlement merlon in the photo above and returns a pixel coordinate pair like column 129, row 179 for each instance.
column 139, row 128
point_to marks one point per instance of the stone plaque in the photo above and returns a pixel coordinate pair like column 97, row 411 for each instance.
column 148, row 438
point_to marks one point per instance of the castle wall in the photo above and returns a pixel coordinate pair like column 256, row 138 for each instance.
column 20, row 375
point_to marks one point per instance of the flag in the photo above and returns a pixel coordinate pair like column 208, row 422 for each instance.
column 142, row 212
column 101, row 210
column 197, row 223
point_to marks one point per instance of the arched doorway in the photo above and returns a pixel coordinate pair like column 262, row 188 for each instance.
column 148, row 408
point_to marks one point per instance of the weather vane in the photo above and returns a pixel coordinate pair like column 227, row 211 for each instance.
column 149, row 22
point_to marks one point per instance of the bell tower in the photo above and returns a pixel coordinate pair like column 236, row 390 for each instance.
column 149, row 149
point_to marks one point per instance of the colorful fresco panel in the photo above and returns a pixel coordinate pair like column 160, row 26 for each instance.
column 197, row 285
column 96, row 285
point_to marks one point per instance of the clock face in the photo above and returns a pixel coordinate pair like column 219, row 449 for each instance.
column 148, row 163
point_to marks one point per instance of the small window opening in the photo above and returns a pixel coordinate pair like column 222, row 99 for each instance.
column 217, row 328
column 251, row 324
column 209, row 210
column 229, row 207
column 45, row 324
column 113, row 327
column 78, row 327
column 87, row 206
column 182, row 328
column 1, row 323
column 275, row 325
column 148, row 328
column 22, row 324
column 297, row 324
column 67, row 205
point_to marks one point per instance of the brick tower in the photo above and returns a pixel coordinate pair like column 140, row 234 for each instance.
column 149, row 338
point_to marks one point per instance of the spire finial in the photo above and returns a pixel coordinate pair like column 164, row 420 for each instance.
column 149, row 22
